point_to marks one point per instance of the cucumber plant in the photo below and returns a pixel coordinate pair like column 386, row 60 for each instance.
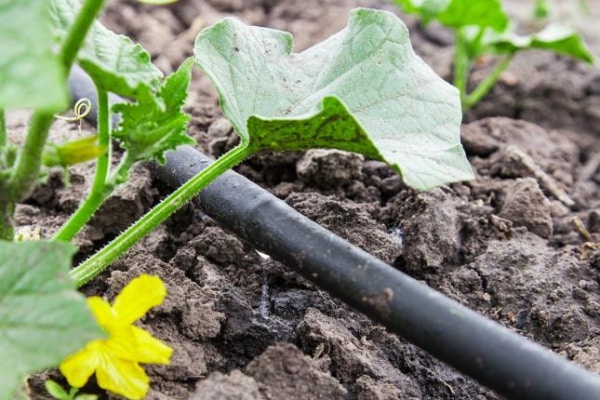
column 483, row 28
column 361, row 90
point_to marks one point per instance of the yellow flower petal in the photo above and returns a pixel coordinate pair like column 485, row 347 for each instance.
column 102, row 311
column 149, row 349
column 78, row 367
column 139, row 296
column 122, row 377
column 123, row 343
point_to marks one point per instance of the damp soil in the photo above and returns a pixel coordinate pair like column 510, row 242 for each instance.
column 519, row 244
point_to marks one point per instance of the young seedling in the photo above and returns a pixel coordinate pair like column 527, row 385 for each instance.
column 59, row 393
column 483, row 28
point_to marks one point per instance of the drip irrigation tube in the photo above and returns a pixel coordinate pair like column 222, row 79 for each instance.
column 496, row 357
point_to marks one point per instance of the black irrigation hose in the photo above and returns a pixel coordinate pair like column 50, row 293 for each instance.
column 493, row 355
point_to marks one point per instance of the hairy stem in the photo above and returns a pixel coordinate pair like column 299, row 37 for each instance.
column 487, row 84
column 100, row 190
column 102, row 259
column 121, row 173
column 26, row 172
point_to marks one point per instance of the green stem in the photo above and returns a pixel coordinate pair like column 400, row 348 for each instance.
column 103, row 258
column 486, row 85
column 104, row 133
column 26, row 172
column 78, row 31
column 99, row 190
column 121, row 173
column 3, row 134
column 6, row 228
column 462, row 65
column 7, row 231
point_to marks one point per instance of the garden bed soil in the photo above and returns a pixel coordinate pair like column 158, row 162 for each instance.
column 506, row 244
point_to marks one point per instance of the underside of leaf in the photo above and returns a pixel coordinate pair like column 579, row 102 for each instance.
column 365, row 81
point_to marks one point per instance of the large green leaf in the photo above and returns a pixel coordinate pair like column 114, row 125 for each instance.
column 31, row 75
column 156, row 123
column 42, row 318
column 362, row 89
column 558, row 38
column 113, row 61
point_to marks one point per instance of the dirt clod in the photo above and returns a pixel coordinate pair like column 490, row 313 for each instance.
column 525, row 205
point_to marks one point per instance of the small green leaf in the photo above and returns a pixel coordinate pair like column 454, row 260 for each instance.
column 156, row 123
column 426, row 10
column 42, row 318
column 113, row 61
column 55, row 390
column 32, row 76
column 541, row 9
column 362, row 89
column 86, row 396
column 482, row 13
column 558, row 38
column 458, row 13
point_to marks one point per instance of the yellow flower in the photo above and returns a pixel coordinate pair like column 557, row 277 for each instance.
column 115, row 359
